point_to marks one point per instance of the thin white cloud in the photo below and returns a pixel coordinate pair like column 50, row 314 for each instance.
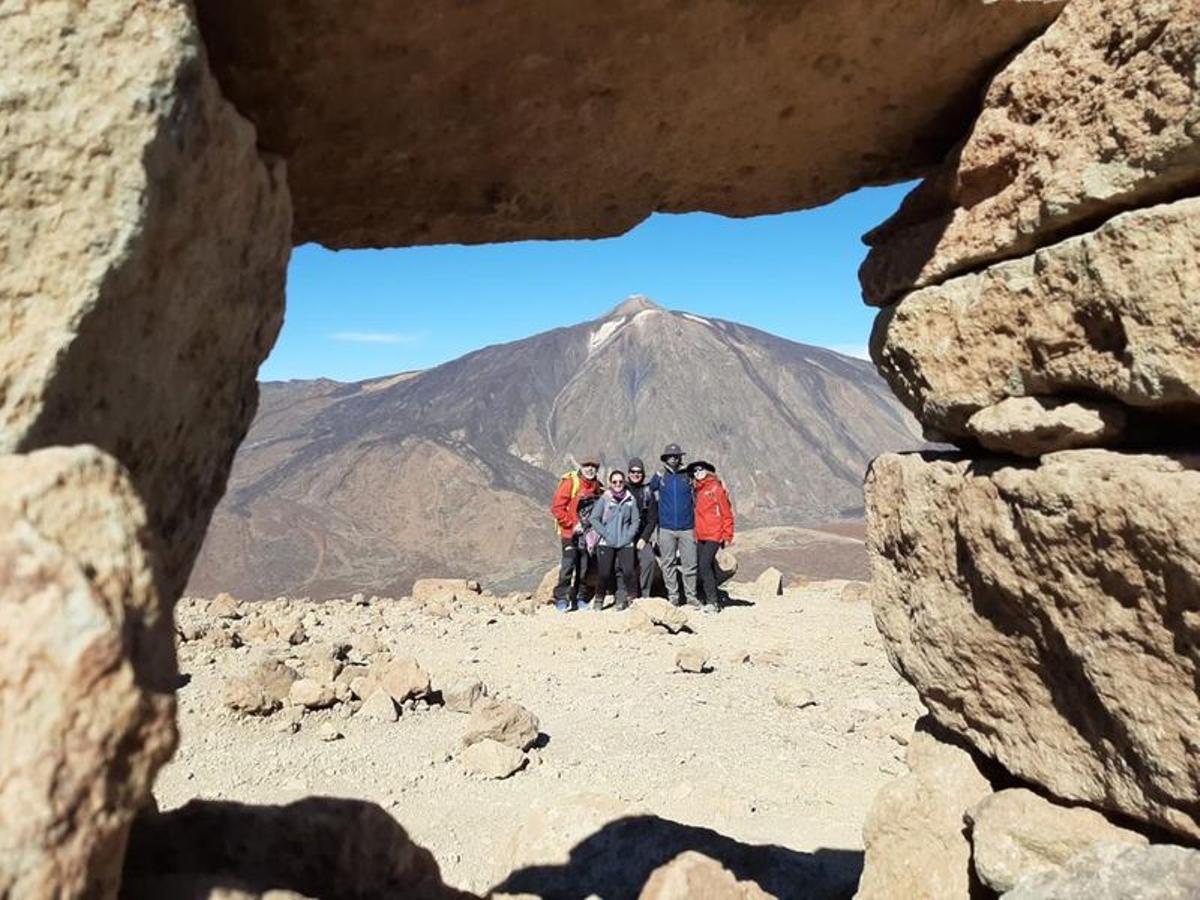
column 375, row 337
column 858, row 351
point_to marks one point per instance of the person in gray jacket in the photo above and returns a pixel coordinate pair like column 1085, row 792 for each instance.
column 615, row 523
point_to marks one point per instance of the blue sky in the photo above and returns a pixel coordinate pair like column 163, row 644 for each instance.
column 357, row 314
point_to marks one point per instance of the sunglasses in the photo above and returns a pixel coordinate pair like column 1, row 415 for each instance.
column 636, row 472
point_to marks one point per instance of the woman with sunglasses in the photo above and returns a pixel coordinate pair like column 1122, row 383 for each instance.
column 616, row 520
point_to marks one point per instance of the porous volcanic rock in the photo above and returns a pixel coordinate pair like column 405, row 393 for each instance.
column 83, row 645
column 1016, row 833
column 146, row 243
column 914, row 837
column 1047, row 613
column 1033, row 426
column 1098, row 115
column 1110, row 314
column 319, row 847
column 552, row 123
column 691, row 875
column 1118, row 872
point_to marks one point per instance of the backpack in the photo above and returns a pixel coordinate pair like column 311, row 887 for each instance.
column 576, row 489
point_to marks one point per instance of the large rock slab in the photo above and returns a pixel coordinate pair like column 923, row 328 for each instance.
column 916, row 846
column 85, row 664
column 1016, row 834
column 1109, row 314
column 1114, row 872
column 145, row 244
column 414, row 123
column 1098, row 115
column 1048, row 614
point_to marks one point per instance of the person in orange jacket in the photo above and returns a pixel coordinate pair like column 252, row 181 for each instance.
column 575, row 487
column 714, row 528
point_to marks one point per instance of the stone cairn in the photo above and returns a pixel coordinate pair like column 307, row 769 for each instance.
column 1041, row 587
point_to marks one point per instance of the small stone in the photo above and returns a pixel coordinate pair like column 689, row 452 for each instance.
column 769, row 584
column 491, row 759
column 693, row 659
column 311, row 695
column 404, row 679
column 224, row 606
column 379, row 707
column 329, row 732
column 504, row 721
column 462, row 694
column 794, row 696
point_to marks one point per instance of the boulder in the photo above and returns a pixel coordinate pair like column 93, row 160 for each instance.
column 146, row 243
column 404, row 679
column 1045, row 612
column 379, row 707
column 1119, row 872
column 1017, row 833
column 1109, row 314
column 224, row 606
column 694, row 659
column 503, row 721
column 914, row 835
column 317, row 847
column 1098, row 115
column 1034, row 426
column 693, row 875
column 263, row 690
column 86, row 671
column 493, row 760
column 716, row 109
column 769, row 584
column 444, row 590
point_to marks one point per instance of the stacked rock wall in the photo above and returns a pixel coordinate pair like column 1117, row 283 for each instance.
column 1040, row 303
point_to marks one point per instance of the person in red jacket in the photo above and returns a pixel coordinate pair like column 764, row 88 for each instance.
column 575, row 487
column 714, row 528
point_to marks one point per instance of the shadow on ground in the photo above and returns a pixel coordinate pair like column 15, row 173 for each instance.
column 616, row 861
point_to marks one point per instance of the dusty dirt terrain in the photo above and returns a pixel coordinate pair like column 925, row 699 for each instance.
column 636, row 762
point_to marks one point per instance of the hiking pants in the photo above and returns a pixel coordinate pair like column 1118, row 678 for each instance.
column 608, row 559
column 669, row 542
column 646, row 561
column 707, row 553
column 572, row 574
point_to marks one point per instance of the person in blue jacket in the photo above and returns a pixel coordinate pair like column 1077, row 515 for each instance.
column 676, row 526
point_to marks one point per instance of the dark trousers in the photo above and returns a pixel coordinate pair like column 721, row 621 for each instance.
column 706, row 562
column 572, row 573
column 609, row 559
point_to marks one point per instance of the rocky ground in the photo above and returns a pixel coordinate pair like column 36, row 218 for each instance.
column 767, row 759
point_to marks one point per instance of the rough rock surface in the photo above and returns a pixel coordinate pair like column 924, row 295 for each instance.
column 146, row 244
column 1034, row 426
column 380, row 707
column 1016, row 833
column 546, row 124
column 693, row 659
column 1109, row 314
column 82, row 646
column 769, row 584
column 1083, row 678
column 492, row 759
column 404, row 679
column 1098, row 115
column 654, row 612
column 504, row 721
column 443, row 590
column 1115, row 872
column 318, row 847
column 693, row 875
column 916, row 847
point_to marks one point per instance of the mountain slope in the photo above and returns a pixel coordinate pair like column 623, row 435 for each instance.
column 367, row 486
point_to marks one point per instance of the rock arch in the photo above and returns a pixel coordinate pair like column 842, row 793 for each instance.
column 159, row 161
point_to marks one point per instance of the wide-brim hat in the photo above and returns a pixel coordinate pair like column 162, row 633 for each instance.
column 701, row 464
column 672, row 450
column 590, row 459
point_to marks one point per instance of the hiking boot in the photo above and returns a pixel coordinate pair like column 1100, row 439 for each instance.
column 564, row 606
column 710, row 608
column 622, row 605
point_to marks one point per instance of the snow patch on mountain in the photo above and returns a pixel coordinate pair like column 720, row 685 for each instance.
column 604, row 332
column 699, row 319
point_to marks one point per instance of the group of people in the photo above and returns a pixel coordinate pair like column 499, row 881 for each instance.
column 677, row 522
